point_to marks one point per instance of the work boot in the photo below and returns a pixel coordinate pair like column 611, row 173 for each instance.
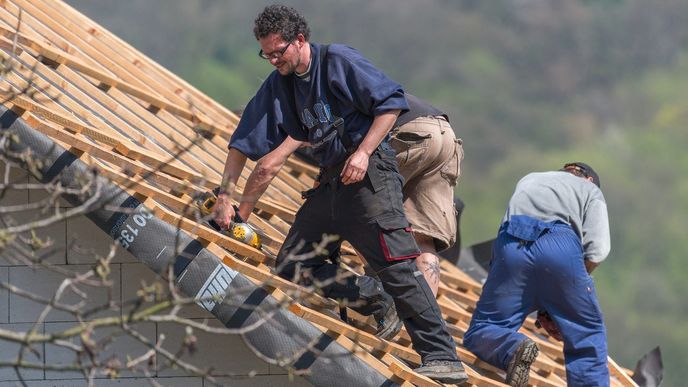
column 388, row 322
column 443, row 371
column 518, row 370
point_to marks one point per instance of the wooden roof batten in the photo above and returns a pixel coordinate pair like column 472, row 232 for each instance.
column 161, row 139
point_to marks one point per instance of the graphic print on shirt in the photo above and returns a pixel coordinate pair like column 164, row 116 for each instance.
column 322, row 126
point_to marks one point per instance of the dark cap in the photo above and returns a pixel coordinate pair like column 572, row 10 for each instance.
column 582, row 169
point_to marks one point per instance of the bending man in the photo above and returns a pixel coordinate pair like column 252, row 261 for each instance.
column 554, row 233
column 335, row 99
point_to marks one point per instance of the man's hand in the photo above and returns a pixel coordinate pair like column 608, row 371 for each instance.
column 223, row 212
column 355, row 167
column 544, row 321
column 357, row 164
column 590, row 266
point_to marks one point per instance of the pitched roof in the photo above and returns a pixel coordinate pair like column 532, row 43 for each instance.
column 158, row 137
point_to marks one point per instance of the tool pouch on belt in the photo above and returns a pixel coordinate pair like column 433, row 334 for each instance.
column 526, row 228
column 407, row 286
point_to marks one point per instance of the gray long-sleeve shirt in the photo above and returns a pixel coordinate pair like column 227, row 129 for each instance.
column 562, row 196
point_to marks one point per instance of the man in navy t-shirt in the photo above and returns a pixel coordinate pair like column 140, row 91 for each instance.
column 337, row 101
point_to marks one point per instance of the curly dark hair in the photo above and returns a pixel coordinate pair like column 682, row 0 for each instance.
column 283, row 20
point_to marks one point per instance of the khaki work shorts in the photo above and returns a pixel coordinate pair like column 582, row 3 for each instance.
column 429, row 157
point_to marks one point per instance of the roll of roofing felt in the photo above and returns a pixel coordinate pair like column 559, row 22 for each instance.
column 231, row 297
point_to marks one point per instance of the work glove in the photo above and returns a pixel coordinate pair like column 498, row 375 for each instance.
column 544, row 321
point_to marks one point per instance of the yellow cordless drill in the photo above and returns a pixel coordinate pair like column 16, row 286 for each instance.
column 238, row 228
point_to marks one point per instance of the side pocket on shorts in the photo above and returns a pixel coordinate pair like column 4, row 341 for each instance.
column 403, row 141
column 407, row 144
column 396, row 239
column 412, row 138
column 452, row 169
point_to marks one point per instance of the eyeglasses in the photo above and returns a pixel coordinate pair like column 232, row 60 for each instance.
column 275, row 54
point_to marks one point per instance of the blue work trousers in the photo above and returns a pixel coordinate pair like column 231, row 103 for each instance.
column 546, row 272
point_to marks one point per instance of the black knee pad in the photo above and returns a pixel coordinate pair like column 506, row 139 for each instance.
column 407, row 286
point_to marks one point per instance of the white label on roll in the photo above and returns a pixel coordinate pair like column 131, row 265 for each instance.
column 215, row 287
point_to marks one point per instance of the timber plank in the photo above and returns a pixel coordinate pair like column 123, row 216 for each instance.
column 99, row 104
column 167, row 79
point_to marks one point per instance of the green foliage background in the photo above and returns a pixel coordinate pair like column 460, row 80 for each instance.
column 529, row 85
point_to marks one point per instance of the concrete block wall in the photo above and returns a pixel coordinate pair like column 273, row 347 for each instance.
column 74, row 244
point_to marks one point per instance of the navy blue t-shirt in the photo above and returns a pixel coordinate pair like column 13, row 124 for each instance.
column 350, row 91
column 261, row 127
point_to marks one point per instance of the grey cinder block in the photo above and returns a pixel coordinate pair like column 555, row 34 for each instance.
column 226, row 354
column 134, row 274
column 4, row 297
column 10, row 350
column 12, row 197
column 124, row 382
column 44, row 283
column 265, row 381
column 86, row 242
column 50, row 242
column 120, row 345
column 36, row 195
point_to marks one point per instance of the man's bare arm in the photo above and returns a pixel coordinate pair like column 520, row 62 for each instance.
column 266, row 169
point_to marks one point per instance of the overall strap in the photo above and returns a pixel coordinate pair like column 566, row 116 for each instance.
column 338, row 121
